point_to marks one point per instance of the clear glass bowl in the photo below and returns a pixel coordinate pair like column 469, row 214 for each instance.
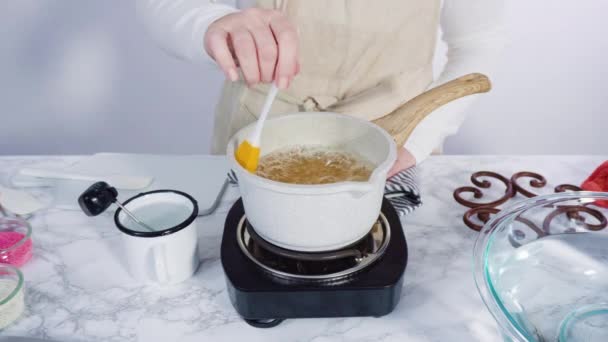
column 541, row 267
column 12, row 301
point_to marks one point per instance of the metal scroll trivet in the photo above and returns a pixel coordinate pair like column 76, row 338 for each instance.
column 482, row 211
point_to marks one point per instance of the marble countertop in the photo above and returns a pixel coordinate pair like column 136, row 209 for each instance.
column 78, row 290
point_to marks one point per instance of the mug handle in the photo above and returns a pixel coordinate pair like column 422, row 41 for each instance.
column 160, row 265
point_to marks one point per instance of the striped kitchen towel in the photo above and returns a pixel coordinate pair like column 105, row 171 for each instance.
column 402, row 191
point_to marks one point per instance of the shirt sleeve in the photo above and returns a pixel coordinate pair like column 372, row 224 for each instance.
column 474, row 32
column 179, row 26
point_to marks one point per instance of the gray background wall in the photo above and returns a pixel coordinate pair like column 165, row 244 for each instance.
column 81, row 77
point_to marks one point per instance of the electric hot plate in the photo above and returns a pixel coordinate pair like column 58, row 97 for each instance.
column 268, row 284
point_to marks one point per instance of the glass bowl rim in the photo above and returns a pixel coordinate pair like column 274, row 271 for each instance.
column 578, row 314
column 17, row 288
column 483, row 242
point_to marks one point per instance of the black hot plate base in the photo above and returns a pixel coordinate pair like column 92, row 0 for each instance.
column 264, row 301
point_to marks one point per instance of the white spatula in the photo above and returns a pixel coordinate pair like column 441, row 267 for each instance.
column 19, row 202
column 248, row 151
column 118, row 181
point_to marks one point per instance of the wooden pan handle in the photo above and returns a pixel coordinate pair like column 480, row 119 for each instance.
column 401, row 122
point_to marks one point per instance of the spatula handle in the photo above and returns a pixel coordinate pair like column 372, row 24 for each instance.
column 255, row 137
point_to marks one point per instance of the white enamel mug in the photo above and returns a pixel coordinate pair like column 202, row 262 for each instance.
column 169, row 253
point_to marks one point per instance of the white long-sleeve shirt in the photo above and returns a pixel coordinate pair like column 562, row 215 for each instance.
column 472, row 30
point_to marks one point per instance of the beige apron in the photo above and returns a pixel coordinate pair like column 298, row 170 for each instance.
column 358, row 57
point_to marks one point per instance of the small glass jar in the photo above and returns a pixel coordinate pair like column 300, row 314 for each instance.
column 12, row 301
column 15, row 241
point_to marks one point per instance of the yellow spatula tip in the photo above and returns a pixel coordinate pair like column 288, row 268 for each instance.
column 248, row 156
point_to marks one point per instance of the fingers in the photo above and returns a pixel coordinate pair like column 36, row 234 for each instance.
column 287, row 41
column 217, row 44
column 263, row 43
column 267, row 52
column 393, row 171
column 245, row 51
column 405, row 160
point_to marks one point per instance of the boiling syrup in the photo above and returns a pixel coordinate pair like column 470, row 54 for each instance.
column 313, row 165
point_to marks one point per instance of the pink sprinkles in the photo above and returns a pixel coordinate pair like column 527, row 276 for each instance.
column 19, row 255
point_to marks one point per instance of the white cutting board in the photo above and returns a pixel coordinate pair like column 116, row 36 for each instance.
column 200, row 176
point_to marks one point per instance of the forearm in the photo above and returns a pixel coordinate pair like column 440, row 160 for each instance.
column 474, row 33
column 179, row 26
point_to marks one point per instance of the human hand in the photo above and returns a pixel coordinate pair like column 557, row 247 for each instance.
column 262, row 42
column 405, row 160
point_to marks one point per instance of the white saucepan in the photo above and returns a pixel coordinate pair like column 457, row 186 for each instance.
column 316, row 217
column 325, row 217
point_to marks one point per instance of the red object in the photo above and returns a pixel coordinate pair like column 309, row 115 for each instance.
column 17, row 256
column 598, row 181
